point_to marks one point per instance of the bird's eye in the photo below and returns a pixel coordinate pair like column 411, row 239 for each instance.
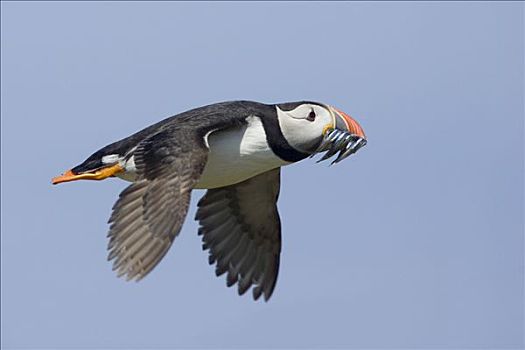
column 311, row 116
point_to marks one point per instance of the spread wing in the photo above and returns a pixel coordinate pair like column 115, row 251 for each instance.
column 240, row 226
column 150, row 212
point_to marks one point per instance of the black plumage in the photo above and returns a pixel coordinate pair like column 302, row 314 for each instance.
column 201, row 120
column 238, row 216
column 170, row 156
column 150, row 212
column 241, row 228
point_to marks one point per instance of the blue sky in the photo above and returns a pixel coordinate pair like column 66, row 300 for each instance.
column 417, row 241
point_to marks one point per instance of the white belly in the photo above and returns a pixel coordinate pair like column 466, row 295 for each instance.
column 238, row 154
column 234, row 156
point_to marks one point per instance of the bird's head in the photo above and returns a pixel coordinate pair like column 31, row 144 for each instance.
column 312, row 127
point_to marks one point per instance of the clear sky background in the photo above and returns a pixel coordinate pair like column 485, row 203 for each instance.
column 417, row 241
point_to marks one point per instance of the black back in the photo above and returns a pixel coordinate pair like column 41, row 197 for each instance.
column 203, row 119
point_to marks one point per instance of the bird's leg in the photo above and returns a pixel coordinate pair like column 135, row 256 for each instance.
column 98, row 174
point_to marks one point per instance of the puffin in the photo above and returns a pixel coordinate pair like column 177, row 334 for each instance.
column 235, row 150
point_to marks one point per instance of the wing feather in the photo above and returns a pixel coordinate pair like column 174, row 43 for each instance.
column 150, row 212
column 240, row 227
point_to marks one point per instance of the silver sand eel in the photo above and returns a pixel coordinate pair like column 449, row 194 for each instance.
column 339, row 141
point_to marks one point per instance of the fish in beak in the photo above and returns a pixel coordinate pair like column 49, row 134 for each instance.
column 345, row 136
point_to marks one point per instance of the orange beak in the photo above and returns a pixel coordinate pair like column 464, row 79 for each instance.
column 344, row 122
column 99, row 174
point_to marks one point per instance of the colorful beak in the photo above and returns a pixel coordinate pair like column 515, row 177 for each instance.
column 99, row 174
column 343, row 135
column 346, row 123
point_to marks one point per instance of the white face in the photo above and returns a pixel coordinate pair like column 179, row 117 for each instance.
column 303, row 126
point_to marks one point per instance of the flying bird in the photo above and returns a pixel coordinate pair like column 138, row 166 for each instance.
column 235, row 150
